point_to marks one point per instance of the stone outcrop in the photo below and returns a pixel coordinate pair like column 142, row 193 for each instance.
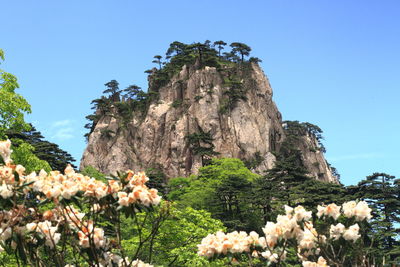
column 194, row 101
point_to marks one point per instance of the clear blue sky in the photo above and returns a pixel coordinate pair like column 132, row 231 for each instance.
column 332, row 63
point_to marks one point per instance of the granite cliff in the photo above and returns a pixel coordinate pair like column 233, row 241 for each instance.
column 201, row 112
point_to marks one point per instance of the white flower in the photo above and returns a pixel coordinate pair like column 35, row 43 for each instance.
column 362, row 211
column 69, row 171
column 5, row 191
column 5, row 151
column 272, row 257
column 138, row 263
column 351, row 234
column 307, row 240
column 288, row 210
column 348, row 208
column 301, row 214
column 53, row 240
column 331, row 210
column 336, row 231
column 321, row 211
column 321, row 263
column 31, row 226
column 5, row 234
column 20, row 170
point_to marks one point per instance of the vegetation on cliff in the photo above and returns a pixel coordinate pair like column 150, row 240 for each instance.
column 134, row 102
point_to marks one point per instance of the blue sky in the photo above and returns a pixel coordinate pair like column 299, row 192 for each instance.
column 332, row 63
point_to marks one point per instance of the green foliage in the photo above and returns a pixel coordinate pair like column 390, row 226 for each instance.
column 107, row 133
column 241, row 49
column 178, row 233
column 235, row 92
column 157, row 178
column 196, row 54
column 177, row 103
column 93, row 172
column 221, row 169
column 177, row 187
column 254, row 161
column 50, row 152
column 219, row 45
column 12, row 105
column 382, row 192
column 222, row 188
column 122, row 104
column 113, row 89
column 132, row 101
column 201, row 144
column 297, row 129
column 197, row 98
column 157, row 60
column 23, row 153
column 8, row 260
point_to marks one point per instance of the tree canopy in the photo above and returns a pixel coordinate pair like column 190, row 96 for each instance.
column 12, row 105
column 57, row 158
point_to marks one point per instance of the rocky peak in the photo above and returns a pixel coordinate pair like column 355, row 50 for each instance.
column 202, row 112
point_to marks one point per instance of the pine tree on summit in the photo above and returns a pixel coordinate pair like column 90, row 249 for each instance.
column 157, row 60
column 132, row 91
column 242, row 49
column 113, row 90
column 220, row 45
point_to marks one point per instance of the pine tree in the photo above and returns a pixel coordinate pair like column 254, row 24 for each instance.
column 220, row 45
column 113, row 90
column 157, row 60
column 382, row 192
column 242, row 49
column 57, row 158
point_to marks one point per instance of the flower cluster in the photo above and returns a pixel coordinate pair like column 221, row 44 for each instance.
column 37, row 227
column 55, row 185
column 235, row 242
column 349, row 234
column 68, row 185
column 359, row 210
column 47, row 230
column 137, row 191
column 91, row 233
column 320, row 263
column 295, row 226
column 111, row 259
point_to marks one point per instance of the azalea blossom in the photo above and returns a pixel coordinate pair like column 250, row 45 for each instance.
column 349, row 208
column 49, row 232
column 336, row 231
column 352, row 233
column 359, row 210
column 6, row 191
column 320, row 263
column 362, row 211
column 332, row 210
column 5, row 150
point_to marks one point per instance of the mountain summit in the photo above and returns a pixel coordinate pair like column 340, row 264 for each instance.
column 199, row 105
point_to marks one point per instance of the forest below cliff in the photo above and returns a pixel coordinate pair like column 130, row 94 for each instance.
column 53, row 215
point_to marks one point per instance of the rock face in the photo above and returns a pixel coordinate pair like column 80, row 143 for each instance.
column 191, row 103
